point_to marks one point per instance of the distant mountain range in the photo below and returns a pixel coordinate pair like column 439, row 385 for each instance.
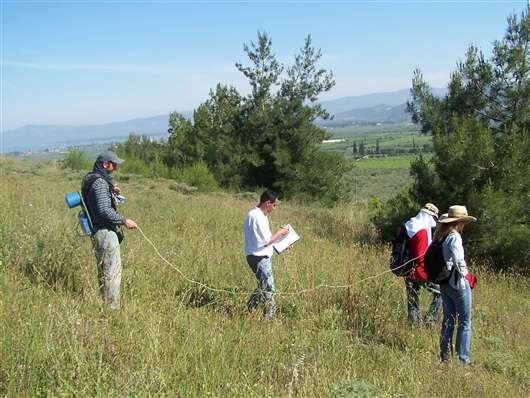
column 35, row 137
column 38, row 137
column 375, row 114
column 386, row 107
column 391, row 98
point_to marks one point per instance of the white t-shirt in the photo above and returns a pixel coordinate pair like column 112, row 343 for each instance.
column 257, row 233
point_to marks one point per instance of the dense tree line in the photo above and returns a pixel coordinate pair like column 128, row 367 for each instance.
column 481, row 147
column 265, row 139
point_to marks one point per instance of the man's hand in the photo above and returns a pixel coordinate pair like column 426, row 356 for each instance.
column 283, row 231
column 130, row 224
column 117, row 190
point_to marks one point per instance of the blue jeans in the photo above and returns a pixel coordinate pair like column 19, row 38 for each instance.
column 456, row 304
column 262, row 268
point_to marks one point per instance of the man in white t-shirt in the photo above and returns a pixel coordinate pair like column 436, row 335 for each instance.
column 258, row 249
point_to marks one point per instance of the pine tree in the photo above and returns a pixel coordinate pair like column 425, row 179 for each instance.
column 481, row 143
column 361, row 148
column 268, row 138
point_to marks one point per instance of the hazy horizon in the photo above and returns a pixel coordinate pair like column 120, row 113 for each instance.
column 191, row 110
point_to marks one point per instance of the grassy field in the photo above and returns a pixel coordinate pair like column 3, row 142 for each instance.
column 380, row 177
column 389, row 163
column 387, row 141
column 370, row 129
column 399, row 137
column 172, row 338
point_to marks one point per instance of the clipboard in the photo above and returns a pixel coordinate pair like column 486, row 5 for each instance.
column 282, row 243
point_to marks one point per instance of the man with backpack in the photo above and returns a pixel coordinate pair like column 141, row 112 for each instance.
column 98, row 191
column 419, row 235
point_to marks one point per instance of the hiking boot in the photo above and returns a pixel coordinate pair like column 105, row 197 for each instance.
column 445, row 356
column 414, row 319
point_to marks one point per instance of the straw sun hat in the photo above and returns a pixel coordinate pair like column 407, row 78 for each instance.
column 431, row 209
column 456, row 213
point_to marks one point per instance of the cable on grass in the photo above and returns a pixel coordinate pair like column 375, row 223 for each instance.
column 296, row 293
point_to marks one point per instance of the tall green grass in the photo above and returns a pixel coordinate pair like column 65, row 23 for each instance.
column 172, row 338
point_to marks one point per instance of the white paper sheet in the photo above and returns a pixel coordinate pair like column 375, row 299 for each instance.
column 285, row 241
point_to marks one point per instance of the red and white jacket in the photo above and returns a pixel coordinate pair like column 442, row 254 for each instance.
column 419, row 231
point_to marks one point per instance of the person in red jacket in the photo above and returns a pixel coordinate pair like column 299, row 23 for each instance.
column 419, row 229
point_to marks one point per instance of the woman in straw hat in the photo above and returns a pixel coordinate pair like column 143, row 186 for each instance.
column 456, row 292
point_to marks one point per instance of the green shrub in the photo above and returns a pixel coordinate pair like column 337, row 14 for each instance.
column 183, row 188
column 198, row 175
column 391, row 214
column 76, row 160
column 250, row 196
column 134, row 166
column 154, row 168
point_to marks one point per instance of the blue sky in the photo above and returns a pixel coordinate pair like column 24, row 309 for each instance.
column 90, row 62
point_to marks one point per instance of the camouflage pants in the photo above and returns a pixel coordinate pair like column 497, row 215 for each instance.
column 109, row 266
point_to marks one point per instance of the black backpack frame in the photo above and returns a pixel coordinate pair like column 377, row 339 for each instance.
column 400, row 263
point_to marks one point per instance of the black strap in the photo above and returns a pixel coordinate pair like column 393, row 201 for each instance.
column 88, row 181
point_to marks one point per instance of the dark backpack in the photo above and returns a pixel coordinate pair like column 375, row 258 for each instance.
column 434, row 263
column 86, row 185
column 399, row 262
